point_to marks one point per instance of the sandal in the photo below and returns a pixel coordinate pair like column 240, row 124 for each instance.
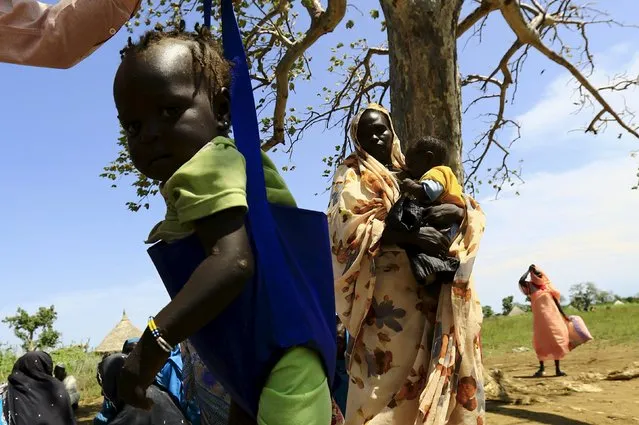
column 539, row 374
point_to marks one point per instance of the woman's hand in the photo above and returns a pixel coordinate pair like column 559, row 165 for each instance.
column 444, row 215
column 139, row 371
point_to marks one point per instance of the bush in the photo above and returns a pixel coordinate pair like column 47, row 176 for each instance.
column 507, row 305
column 488, row 311
column 7, row 359
column 83, row 366
column 78, row 363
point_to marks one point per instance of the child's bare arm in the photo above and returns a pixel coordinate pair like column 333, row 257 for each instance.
column 216, row 282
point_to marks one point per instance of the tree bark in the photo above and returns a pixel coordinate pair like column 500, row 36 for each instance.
column 425, row 87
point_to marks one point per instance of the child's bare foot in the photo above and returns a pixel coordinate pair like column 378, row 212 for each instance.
column 539, row 374
column 561, row 373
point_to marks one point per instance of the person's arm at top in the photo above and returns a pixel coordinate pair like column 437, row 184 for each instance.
column 214, row 284
column 58, row 35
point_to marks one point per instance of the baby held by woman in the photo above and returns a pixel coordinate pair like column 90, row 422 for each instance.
column 428, row 180
column 425, row 182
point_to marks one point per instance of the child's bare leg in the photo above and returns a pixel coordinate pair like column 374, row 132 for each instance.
column 541, row 370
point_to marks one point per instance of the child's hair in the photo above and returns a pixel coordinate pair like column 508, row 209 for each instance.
column 208, row 61
column 428, row 143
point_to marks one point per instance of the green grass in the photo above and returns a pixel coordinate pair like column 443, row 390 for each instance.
column 83, row 366
column 607, row 324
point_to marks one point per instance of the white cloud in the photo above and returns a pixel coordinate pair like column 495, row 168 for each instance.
column 578, row 225
column 556, row 117
column 91, row 314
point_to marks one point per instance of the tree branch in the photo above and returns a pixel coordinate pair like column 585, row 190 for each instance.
column 476, row 15
column 499, row 121
column 322, row 22
column 527, row 33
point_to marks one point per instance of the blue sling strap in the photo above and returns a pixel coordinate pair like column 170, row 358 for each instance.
column 290, row 300
column 207, row 6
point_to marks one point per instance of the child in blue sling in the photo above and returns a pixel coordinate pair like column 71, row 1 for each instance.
column 172, row 97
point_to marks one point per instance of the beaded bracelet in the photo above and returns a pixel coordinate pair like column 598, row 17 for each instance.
column 155, row 331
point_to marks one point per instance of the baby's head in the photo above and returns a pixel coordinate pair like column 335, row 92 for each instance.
column 171, row 93
column 424, row 154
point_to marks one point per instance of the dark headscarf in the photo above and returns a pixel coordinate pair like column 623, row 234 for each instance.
column 35, row 396
column 129, row 345
column 164, row 410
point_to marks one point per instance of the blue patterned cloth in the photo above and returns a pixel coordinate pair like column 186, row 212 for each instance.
column 202, row 389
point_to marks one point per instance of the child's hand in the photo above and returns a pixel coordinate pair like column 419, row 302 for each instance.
column 412, row 188
column 139, row 371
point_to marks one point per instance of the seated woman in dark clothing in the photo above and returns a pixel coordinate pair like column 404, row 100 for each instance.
column 34, row 396
column 164, row 410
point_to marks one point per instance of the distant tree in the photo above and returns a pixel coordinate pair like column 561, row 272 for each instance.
column 583, row 295
column 522, row 307
column 507, row 305
column 35, row 331
column 488, row 311
column 604, row 297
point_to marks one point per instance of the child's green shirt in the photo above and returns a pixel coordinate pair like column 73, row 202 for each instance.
column 212, row 181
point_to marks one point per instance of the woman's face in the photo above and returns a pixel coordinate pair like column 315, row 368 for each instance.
column 375, row 136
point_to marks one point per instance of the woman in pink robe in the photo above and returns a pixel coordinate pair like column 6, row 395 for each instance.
column 550, row 330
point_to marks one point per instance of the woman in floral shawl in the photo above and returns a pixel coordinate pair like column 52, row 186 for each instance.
column 413, row 358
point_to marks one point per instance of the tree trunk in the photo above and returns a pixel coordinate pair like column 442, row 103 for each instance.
column 424, row 80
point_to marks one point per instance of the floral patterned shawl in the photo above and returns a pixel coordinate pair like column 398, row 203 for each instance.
column 421, row 367
column 363, row 192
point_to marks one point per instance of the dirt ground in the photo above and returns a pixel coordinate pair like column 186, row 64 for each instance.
column 584, row 397
column 87, row 411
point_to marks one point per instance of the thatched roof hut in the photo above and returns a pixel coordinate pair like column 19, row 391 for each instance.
column 516, row 311
column 124, row 330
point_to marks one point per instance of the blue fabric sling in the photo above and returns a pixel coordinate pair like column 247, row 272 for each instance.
column 290, row 301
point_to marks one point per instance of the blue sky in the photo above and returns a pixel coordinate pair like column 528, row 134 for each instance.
column 69, row 240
